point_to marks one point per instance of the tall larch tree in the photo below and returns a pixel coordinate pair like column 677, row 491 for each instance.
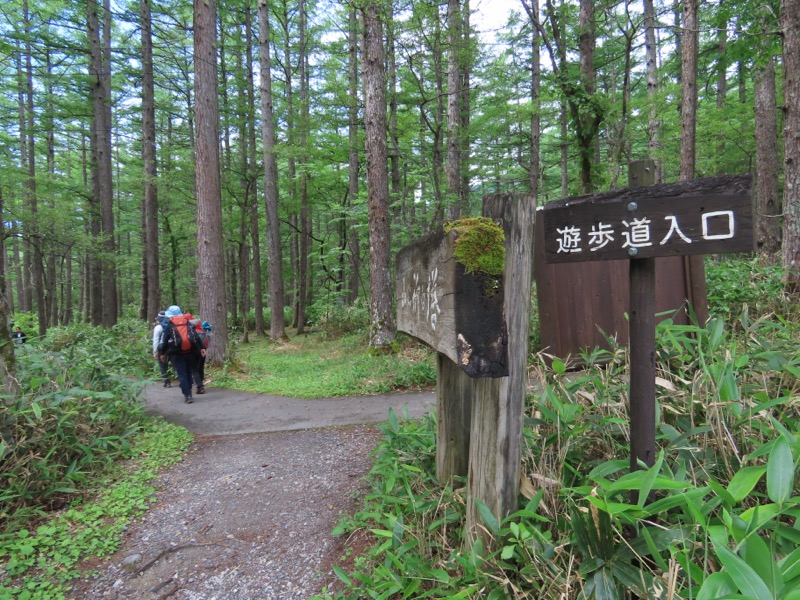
column 353, row 162
column 382, row 332
column 790, row 25
column 104, row 307
column 690, row 44
column 767, row 188
column 211, row 280
column 277, row 326
column 150, row 256
column 454, row 27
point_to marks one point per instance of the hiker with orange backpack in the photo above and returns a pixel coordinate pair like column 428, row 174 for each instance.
column 179, row 342
column 202, row 332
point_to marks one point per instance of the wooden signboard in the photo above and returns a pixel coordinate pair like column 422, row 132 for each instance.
column 457, row 314
column 710, row 215
column 704, row 216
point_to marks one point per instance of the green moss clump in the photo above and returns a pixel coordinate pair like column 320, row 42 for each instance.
column 480, row 245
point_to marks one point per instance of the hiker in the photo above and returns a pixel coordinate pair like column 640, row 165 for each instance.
column 162, row 364
column 19, row 336
column 199, row 365
column 180, row 343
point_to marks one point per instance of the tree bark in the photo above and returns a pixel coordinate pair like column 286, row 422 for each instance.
column 767, row 190
column 255, row 232
column 353, row 160
column 651, row 65
column 790, row 24
column 105, row 307
column 277, row 326
column 150, row 255
column 454, row 27
column 689, row 90
column 304, row 233
column 35, row 240
column 382, row 320
column 694, row 264
column 211, row 276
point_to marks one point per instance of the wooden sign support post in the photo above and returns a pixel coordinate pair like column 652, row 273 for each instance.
column 705, row 216
column 642, row 390
column 479, row 327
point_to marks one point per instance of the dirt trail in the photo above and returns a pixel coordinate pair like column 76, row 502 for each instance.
column 249, row 512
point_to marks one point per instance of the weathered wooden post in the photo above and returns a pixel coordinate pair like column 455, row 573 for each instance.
column 642, row 327
column 704, row 216
column 479, row 327
column 449, row 309
column 496, row 437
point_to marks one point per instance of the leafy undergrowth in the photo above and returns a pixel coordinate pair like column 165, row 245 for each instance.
column 715, row 517
column 313, row 366
column 77, row 453
column 41, row 556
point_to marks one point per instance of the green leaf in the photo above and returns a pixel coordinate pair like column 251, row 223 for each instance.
column 757, row 554
column 559, row 367
column 744, row 481
column 508, row 552
column 37, row 410
column 488, row 517
column 780, row 472
column 744, row 577
column 790, row 565
column 716, row 585
column 342, row 575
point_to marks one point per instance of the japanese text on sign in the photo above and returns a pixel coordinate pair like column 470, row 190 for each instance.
column 673, row 226
column 637, row 233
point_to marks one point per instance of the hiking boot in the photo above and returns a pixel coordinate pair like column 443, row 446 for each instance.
column 188, row 400
column 167, row 383
column 201, row 389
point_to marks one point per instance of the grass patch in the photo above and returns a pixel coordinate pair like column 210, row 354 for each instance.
column 313, row 366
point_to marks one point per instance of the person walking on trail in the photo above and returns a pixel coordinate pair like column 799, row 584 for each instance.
column 162, row 364
column 19, row 336
column 199, row 363
column 179, row 343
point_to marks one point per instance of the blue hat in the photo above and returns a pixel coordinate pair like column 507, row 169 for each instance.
column 174, row 311
column 206, row 325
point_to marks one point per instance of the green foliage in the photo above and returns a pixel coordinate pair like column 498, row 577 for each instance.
column 71, row 418
column 315, row 366
column 480, row 245
column 716, row 516
column 40, row 559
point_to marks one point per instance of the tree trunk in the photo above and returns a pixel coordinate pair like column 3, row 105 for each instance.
column 102, row 190
column 382, row 320
column 790, row 24
column 277, row 327
column 211, row 274
column 455, row 208
column 767, row 190
column 8, row 362
column 35, row 242
column 304, row 232
column 353, row 162
column 152, row 283
column 689, row 90
column 532, row 8
column 588, row 119
column 694, row 264
column 651, row 65
column 255, row 232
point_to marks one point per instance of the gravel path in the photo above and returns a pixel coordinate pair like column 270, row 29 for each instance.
column 244, row 516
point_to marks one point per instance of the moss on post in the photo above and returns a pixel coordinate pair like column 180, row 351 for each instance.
column 479, row 246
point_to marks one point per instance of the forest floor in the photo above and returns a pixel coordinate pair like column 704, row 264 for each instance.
column 249, row 511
